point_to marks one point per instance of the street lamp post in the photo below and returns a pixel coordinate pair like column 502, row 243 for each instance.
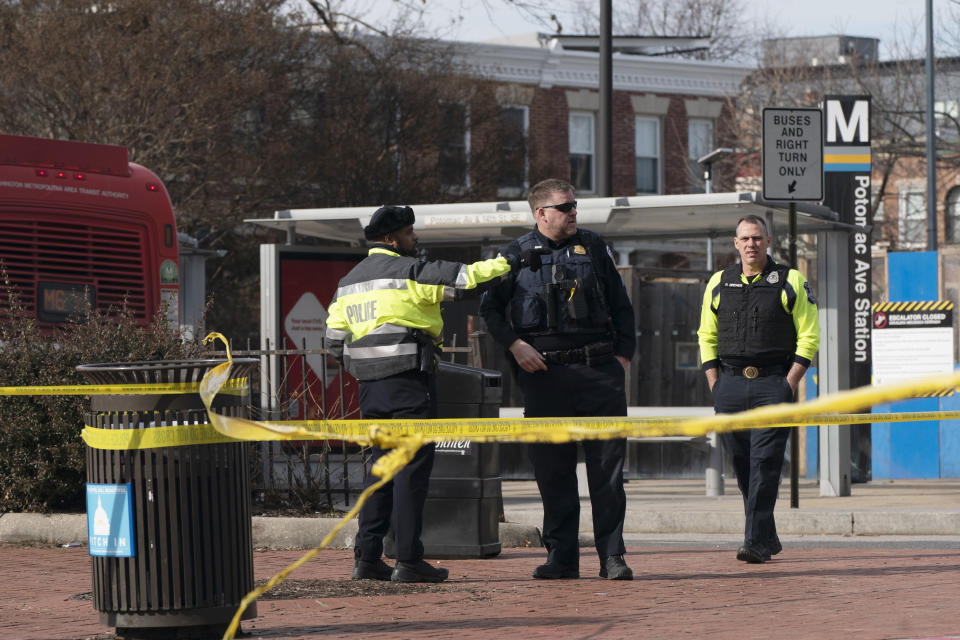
column 707, row 162
column 605, row 177
column 931, row 139
column 714, row 476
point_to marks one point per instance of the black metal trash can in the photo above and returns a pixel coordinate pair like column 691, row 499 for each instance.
column 461, row 517
column 192, row 551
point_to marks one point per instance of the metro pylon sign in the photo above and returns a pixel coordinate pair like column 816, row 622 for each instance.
column 847, row 167
column 847, row 191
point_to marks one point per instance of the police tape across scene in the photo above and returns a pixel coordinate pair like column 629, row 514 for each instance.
column 238, row 386
column 474, row 429
column 403, row 445
column 404, row 437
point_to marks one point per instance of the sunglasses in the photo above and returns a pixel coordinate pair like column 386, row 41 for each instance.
column 565, row 207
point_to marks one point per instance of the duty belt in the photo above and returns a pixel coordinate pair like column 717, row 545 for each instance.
column 592, row 355
column 752, row 372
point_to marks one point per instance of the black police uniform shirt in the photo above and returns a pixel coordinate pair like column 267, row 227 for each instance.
column 576, row 298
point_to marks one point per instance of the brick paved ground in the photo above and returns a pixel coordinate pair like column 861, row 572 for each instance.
column 681, row 593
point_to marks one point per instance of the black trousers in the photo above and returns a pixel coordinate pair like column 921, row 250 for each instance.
column 410, row 394
column 578, row 390
column 757, row 454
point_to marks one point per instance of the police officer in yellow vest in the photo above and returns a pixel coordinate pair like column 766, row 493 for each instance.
column 384, row 324
column 758, row 333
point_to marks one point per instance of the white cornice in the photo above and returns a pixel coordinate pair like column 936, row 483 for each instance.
column 578, row 69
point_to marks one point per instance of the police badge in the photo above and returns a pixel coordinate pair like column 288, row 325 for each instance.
column 773, row 278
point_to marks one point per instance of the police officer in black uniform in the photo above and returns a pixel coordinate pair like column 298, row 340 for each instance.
column 570, row 328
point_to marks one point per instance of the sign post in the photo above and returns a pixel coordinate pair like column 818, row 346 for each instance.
column 793, row 171
column 792, row 154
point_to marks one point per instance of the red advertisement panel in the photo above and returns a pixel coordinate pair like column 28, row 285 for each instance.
column 307, row 284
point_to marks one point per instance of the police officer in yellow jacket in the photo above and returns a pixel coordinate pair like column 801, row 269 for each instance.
column 758, row 334
column 384, row 324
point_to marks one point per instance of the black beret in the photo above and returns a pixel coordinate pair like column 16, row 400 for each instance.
column 386, row 220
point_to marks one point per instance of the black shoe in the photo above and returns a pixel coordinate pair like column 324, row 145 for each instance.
column 753, row 555
column 614, row 568
column 556, row 571
column 773, row 548
column 418, row 572
column 367, row 570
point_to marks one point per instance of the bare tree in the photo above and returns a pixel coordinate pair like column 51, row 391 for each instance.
column 424, row 18
column 244, row 107
column 897, row 90
column 720, row 21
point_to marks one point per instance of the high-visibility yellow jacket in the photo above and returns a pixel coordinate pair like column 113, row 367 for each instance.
column 796, row 300
column 388, row 308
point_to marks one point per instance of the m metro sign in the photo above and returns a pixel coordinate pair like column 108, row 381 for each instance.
column 792, row 154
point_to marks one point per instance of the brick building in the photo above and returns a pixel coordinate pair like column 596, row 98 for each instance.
column 666, row 112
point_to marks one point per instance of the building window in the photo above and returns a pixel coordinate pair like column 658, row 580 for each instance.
column 951, row 214
column 876, row 198
column 946, row 115
column 512, row 175
column 647, row 146
column 581, row 151
column 307, row 109
column 912, row 219
column 699, row 144
column 455, row 146
column 247, row 125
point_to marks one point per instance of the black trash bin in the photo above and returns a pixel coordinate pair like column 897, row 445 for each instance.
column 192, row 551
column 461, row 517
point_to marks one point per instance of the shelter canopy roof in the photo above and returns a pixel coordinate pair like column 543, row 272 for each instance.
column 623, row 218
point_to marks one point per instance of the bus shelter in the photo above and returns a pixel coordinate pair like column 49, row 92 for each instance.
column 626, row 223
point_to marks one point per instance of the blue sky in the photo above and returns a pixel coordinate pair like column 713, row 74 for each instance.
column 884, row 19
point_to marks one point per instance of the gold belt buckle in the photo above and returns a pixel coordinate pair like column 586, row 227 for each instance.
column 751, row 372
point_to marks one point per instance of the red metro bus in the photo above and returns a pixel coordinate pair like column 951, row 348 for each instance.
column 78, row 222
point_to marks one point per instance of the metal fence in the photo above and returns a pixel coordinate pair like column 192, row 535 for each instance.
column 310, row 476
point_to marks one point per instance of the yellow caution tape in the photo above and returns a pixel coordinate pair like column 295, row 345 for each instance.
column 475, row 429
column 153, row 437
column 517, row 429
column 833, row 409
column 236, row 386
column 277, row 579
column 404, row 437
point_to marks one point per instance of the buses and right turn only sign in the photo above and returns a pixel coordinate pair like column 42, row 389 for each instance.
column 792, row 154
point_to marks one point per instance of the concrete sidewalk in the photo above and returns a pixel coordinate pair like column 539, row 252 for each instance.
column 886, row 507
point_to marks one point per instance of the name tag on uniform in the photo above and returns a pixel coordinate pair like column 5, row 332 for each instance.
column 578, row 249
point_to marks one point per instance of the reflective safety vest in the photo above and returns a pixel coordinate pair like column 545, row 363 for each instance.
column 564, row 296
column 751, row 321
column 387, row 309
